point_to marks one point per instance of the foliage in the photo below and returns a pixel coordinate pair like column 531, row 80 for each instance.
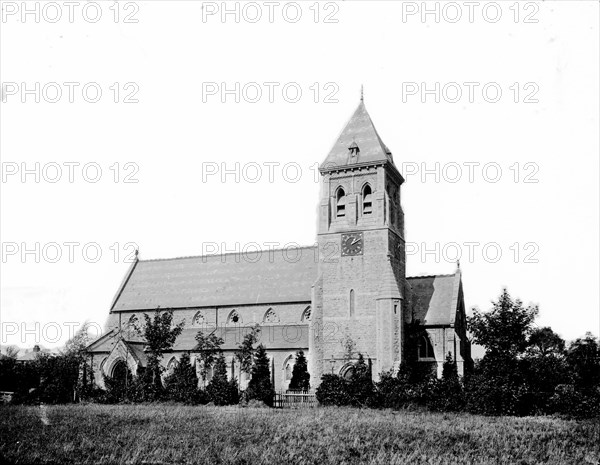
column 583, row 358
column 300, row 376
column 220, row 390
column 245, row 352
column 447, row 393
column 504, row 331
column 208, row 349
column 182, row 384
column 58, row 378
column 333, row 390
column 260, row 386
column 160, row 335
column 545, row 342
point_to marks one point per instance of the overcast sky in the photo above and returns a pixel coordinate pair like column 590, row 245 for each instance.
column 492, row 117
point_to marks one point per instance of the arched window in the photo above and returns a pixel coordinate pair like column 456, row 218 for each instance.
column 271, row 317
column 133, row 326
column 199, row 319
column 351, row 302
column 347, row 371
column 367, row 200
column 234, row 318
column 171, row 365
column 340, row 203
column 288, row 367
column 425, row 348
column 306, row 315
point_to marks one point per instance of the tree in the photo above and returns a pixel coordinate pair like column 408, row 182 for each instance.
column 499, row 382
column 208, row 348
column 300, row 376
column 504, row 330
column 182, row 385
column 545, row 342
column 76, row 348
column 583, row 357
column 220, row 390
column 260, row 386
column 245, row 352
column 160, row 335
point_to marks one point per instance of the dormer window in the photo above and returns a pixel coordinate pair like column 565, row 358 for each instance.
column 367, row 198
column 340, row 203
column 353, row 149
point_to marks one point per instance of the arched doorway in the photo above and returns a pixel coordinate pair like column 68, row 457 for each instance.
column 119, row 371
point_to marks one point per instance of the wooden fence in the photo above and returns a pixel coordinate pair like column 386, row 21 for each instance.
column 295, row 399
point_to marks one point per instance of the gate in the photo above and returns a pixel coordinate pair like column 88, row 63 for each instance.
column 295, row 399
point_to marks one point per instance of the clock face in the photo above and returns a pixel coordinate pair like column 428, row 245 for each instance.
column 352, row 244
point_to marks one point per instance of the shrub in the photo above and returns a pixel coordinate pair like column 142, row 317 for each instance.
column 447, row 393
column 260, row 386
column 220, row 390
column 182, row 385
column 333, row 390
column 300, row 376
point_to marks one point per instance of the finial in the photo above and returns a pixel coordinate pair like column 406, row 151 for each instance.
column 362, row 93
column 458, row 264
column 137, row 251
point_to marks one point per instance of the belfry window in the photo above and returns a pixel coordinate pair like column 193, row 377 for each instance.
column 351, row 302
column 367, row 198
column 340, row 203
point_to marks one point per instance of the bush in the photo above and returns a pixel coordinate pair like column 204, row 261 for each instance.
column 182, row 385
column 300, row 376
column 333, row 390
column 260, row 386
column 447, row 393
column 220, row 390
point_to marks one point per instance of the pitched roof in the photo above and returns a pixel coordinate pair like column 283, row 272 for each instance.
column 434, row 299
column 231, row 279
column 273, row 337
column 358, row 131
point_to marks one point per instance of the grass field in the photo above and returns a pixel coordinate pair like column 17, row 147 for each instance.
column 96, row 434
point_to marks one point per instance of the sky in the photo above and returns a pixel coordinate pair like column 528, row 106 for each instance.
column 179, row 130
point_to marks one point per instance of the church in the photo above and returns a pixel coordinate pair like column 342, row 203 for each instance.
column 349, row 290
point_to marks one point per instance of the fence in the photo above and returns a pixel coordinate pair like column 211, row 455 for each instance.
column 295, row 399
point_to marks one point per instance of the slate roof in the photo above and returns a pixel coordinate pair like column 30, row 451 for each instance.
column 231, row 279
column 434, row 299
column 360, row 131
column 273, row 337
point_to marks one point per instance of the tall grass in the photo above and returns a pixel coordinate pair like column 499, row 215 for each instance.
column 93, row 434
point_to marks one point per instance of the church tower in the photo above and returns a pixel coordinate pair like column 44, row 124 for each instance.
column 358, row 296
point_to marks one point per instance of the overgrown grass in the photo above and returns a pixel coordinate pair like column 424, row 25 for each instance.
column 94, row 434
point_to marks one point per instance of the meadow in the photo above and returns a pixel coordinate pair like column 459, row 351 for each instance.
column 163, row 433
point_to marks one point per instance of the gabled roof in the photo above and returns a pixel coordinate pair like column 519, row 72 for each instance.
column 359, row 131
column 231, row 279
column 435, row 299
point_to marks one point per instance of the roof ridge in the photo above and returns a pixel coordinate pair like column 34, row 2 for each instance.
column 432, row 276
column 185, row 257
